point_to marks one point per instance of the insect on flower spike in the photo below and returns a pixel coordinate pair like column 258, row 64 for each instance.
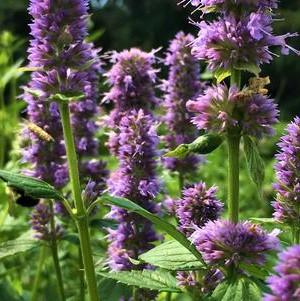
column 38, row 131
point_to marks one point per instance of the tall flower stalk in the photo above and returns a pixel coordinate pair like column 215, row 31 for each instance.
column 183, row 84
column 66, row 71
column 238, row 40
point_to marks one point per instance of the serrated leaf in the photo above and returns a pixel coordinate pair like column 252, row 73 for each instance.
column 171, row 255
column 255, row 271
column 154, row 280
column 32, row 187
column 220, row 74
column 255, row 163
column 160, row 223
column 110, row 290
column 250, row 67
column 241, row 289
column 22, row 244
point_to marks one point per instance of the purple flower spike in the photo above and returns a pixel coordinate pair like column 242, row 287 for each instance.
column 182, row 85
column 221, row 109
column 132, row 78
column 223, row 243
column 286, row 285
column 197, row 206
column 230, row 42
column 40, row 222
column 287, row 174
column 135, row 179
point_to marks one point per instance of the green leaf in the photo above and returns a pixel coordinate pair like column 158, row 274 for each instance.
column 160, row 223
column 255, row 271
column 66, row 98
column 250, row 67
column 12, row 72
column 171, row 255
column 22, row 244
column 110, row 290
column 241, row 289
column 104, row 223
column 180, row 152
column 220, row 74
column 204, row 144
column 30, row 186
column 154, row 280
column 255, row 163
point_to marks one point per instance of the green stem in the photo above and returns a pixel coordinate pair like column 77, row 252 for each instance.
column 54, row 250
column 82, row 218
column 81, row 277
column 235, row 78
column 233, row 176
column 135, row 294
column 2, row 129
column 169, row 296
column 37, row 279
column 181, row 181
column 13, row 97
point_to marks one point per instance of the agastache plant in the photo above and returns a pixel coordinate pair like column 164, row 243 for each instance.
column 66, row 70
column 183, row 84
column 287, row 204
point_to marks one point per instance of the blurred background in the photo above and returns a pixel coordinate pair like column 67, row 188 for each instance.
column 120, row 24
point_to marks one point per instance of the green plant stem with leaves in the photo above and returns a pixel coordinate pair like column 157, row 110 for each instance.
column 233, row 142
column 2, row 128
column 54, row 251
column 37, row 280
column 81, row 213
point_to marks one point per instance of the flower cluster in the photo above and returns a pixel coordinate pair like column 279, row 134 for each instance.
column 221, row 109
column 286, row 285
column 134, row 179
column 66, row 66
column 226, row 4
column 287, row 172
column 223, row 243
column 40, row 221
column 131, row 78
column 182, row 85
column 238, row 38
column 197, row 206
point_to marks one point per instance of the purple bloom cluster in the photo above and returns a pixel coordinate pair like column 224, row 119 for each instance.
column 132, row 78
column 60, row 53
column 286, row 285
column 197, row 206
column 287, row 172
column 221, row 109
column 226, row 4
column 182, row 85
column 69, row 66
column 230, row 42
column 134, row 179
column 223, row 243
column 40, row 221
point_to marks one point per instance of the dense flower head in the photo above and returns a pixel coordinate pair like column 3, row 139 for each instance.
column 227, row 4
column 229, row 42
column 285, row 286
column 132, row 78
column 134, row 179
column 221, row 109
column 197, row 206
column 182, row 85
column 57, row 25
column 287, row 174
column 40, row 221
column 223, row 243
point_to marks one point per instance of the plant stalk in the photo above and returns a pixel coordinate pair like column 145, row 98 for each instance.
column 81, row 277
column 233, row 176
column 81, row 214
column 54, row 251
column 2, row 129
column 37, row 280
